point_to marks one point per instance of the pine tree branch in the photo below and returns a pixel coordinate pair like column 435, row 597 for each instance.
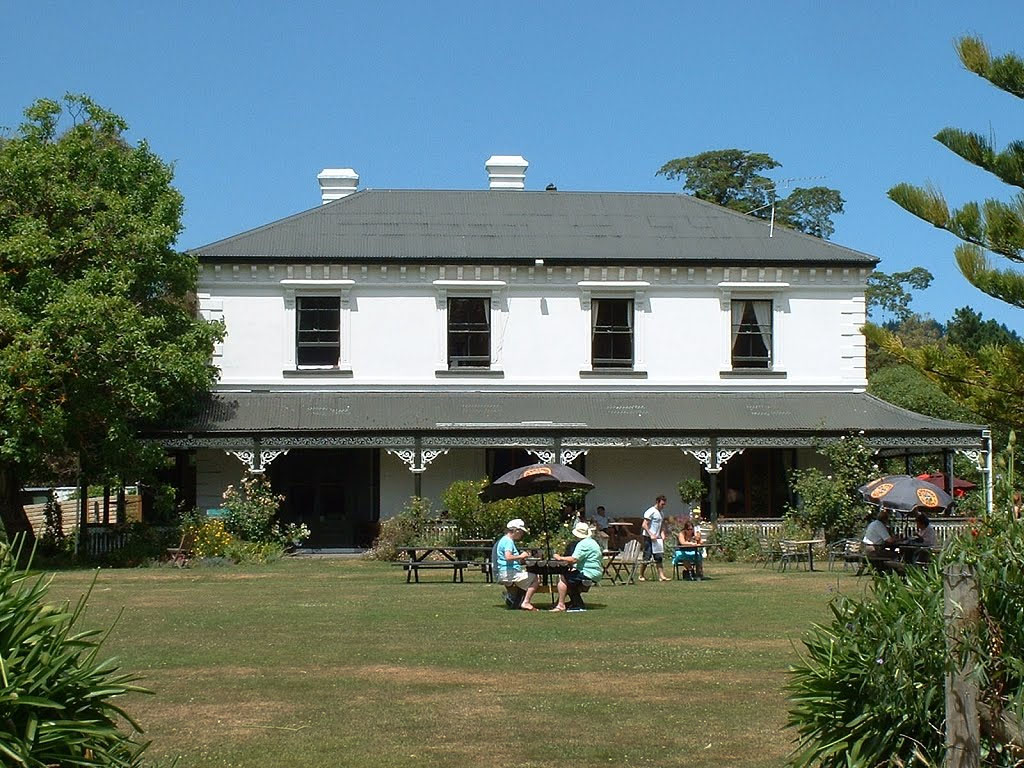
column 1004, row 284
column 1005, row 72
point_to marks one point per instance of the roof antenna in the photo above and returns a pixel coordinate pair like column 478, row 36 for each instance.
column 773, row 187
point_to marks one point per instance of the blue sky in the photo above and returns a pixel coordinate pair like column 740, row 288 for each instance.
column 251, row 100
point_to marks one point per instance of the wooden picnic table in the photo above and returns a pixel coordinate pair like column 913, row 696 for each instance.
column 456, row 559
column 546, row 569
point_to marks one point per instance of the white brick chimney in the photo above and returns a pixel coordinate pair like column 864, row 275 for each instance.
column 506, row 171
column 336, row 183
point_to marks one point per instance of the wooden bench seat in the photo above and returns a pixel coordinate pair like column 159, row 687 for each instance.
column 413, row 568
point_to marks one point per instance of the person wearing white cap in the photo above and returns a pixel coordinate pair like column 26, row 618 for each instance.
column 508, row 567
column 586, row 570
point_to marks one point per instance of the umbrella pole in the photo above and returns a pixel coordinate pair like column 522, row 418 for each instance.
column 544, row 522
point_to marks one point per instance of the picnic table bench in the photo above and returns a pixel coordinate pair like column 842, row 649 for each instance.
column 413, row 568
column 447, row 558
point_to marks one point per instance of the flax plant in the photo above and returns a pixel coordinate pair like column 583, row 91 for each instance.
column 56, row 695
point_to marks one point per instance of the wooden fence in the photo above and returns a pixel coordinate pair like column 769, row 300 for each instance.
column 69, row 512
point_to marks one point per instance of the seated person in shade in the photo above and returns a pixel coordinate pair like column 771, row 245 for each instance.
column 586, row 570
column 519, row 583
column 923, row 530
column 877, row 537
column 688, row 536
column 599, row 519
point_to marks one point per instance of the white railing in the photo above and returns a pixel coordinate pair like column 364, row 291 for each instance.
column 946, row 528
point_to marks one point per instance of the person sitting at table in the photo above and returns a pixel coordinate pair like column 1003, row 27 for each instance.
column 586, row 570
column 876, row 537
column 519, row 583
column 924, row 532
column 688, row 554
column 922, row 541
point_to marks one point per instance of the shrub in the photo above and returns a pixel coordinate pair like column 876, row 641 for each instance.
column 52, row 542
column 401, row 530
column 737, row 543
column 871, row 689
column 479, row 520
column 253, row 553
column 55, row 696
column 210, row 538
column 830, row 502
column 142, row 543
column 252, row 509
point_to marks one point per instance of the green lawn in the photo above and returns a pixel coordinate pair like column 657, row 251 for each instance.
column 340, row 663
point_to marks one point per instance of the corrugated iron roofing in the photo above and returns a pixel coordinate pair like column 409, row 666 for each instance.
column 634, row 413
column 504, row 226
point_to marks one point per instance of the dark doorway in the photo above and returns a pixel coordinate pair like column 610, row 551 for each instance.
column 754, row 483
column 334, row 492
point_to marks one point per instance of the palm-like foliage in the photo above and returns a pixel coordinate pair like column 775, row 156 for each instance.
column 56, row 705
column 870, row 690
column 988, row 383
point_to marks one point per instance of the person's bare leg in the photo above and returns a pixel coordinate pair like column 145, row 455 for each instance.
column 563, row 588
column 526, row 604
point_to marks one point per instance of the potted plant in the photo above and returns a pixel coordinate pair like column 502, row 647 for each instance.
column 691, row 492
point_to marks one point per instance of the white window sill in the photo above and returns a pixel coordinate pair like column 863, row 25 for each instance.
column 341, row 373
column 616, row 373
column 469, row 373
column 753, row 373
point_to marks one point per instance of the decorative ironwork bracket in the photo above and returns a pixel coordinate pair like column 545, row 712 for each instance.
column 408, row 457
column 713, row 459
column 257, row 458
column 568, row 455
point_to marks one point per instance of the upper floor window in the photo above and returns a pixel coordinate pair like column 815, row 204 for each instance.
column 612, row 341
column 469, row 332
column 317, row 330
column 752, row 333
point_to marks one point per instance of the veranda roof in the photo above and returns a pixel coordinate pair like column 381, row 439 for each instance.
column 508, row 413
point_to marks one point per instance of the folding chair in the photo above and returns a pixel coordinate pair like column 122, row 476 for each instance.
column 623, row 568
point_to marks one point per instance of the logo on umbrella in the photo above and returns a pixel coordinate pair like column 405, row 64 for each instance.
column 881, row 490
column 927, row 498
column 536, row 471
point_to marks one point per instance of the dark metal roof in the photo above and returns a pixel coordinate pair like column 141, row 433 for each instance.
column 428, row 226
column 552, row 413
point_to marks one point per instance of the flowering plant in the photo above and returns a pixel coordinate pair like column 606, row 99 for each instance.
column 252, row 507
column 210, row 539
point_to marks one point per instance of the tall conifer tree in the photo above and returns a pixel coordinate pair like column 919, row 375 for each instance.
column 990, row 381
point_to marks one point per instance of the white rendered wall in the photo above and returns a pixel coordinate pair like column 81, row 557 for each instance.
column 397, row 483
column 215, row 471
column 394, row 329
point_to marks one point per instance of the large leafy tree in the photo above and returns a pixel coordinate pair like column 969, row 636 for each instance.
column 988, row 379
column 98, row 332
column 734, row 178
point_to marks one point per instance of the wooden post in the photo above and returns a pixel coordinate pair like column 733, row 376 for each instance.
column 963, row 746
column 106, row 505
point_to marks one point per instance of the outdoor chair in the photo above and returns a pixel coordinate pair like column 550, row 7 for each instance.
column 769, row 552
column 791, row 553
column 624, row 567
column 844, row 551
column 181, row 554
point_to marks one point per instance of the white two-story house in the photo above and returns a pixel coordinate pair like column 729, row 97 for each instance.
column 388, row 342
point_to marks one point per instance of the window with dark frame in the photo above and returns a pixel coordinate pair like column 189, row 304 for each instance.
column 318, row 331
column 752, row 333
column 612, row 333
column 469, row 332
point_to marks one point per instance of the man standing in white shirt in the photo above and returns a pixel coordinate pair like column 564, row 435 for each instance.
column 654, row 538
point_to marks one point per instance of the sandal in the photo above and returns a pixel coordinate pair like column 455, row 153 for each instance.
column 557, row 609
column 528, row 607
